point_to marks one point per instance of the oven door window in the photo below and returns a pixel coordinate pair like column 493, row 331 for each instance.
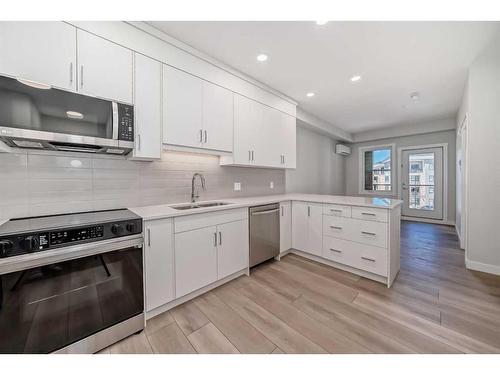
column 54, row 110
column 47, row 308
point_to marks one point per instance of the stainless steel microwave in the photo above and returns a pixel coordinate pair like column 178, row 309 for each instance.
column 41, row 117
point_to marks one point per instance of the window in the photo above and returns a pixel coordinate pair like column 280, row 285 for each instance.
column 375, row 169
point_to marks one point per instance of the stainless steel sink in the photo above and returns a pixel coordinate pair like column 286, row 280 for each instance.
column 198, row 205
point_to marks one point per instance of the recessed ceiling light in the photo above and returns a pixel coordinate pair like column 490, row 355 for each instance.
column 320, row 23
column 262, row 57
column 415, row 95
column 310, row 94
column 355, row 78
column 74, row 115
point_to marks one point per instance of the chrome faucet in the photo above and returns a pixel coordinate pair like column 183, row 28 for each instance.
column 194, row 195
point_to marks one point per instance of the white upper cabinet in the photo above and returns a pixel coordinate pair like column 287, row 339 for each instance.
column 43, row 52
column 196, row 113
column 217, row 117
column 147, row 107
column 182, row 108
column 104, row 68
column 263, row 136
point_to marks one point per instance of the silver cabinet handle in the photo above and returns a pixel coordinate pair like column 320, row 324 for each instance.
column 201, row 135
column 369, row 233
column 220, row 238
column 215, row 239
column 81, row 76
column 139, row 141
column 206, row 137
column 71, row 73
column 368, row 214
column 283, row 159
column 282, row 211
column 252, row 156
column 335, row 210
column 335, row 250
column 249, row 155
column 308, row 210
column 368, row 259
column 334, row 227
column 149, row 237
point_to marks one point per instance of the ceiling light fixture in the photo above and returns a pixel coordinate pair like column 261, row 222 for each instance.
column 355, row 78
column 414, row 95
column 321, row 23
column 310, row 94
column 262, row 57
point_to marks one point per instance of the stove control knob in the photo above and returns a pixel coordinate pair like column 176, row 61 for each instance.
column 131, row 227
column 117, row 229
column 5, row 248
column 29, row 243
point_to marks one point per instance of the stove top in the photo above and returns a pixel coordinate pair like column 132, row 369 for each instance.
column 33, row 234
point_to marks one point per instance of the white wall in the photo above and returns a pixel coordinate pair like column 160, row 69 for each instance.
column 483, row 161
column 319, row 169
column 449, row 136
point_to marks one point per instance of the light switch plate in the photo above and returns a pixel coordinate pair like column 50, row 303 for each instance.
column 271, row 184
column 237, row 186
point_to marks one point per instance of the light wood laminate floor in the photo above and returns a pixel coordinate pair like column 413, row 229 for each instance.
column 300, row 306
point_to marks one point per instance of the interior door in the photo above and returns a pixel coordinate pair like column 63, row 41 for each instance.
column 422, row 183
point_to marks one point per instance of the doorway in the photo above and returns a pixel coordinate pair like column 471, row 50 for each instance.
column 422, row 175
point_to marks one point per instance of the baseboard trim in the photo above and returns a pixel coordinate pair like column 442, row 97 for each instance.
column 482, row 267
column 429, row 221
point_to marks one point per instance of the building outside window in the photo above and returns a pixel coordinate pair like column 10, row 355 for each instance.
column 376, row 167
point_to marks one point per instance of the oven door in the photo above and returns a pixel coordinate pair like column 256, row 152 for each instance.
column 51, row 306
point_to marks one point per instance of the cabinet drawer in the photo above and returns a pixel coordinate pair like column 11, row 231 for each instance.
column 367, row 232
column 372, row 214
column 337, row 250
column 369, row 258
column 194, row 221
column 337, row 210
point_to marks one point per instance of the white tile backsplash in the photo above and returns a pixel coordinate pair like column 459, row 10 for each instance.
column 36, row 182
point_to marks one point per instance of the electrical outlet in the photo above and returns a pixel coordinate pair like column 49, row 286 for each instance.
column 237, row 186
column 271, row 184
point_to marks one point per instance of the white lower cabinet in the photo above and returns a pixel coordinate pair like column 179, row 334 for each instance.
column 307, row 227
column 285, row 226
column 159, row 262
column 232, row 248
column 195, row 259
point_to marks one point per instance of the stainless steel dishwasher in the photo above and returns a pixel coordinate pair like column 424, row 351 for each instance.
column 264, row 233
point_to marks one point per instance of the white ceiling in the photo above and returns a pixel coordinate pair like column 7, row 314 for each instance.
column 393, row 58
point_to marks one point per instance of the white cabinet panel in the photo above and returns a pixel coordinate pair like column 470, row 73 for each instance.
column 182, row 108
column 159, row 262
column 368, row 232
column 248, row 116
column 232, row 247
column 195, row 260
column 217, row 118
column 337, row 210
column 289, row 140
column 372, row 214
column 104, row 68
column 285, row 226
column 307, row 227
column 44, row 52
column 147, row 107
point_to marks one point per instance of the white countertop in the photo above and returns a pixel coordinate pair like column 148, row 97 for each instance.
column 166, row 210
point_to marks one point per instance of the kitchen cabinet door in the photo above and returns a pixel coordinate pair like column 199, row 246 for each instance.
column 104, row 68
column 43, row 52
column 217, row 118
column 159, row 262
column 248, row 117
column 288, row 144
column 232, row 247
column 285, row 226
column 269, row 146
column 300, row 226
column 182, row 108
column 147, row 108
column 195, row 259
column 315, row 236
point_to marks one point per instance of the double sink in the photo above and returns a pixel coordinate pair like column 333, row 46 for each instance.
column 198, row 205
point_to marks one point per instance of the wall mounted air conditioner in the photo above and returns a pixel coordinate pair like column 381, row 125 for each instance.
column 342, row 149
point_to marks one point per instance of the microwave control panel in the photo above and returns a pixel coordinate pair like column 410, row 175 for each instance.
column 125, row 122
